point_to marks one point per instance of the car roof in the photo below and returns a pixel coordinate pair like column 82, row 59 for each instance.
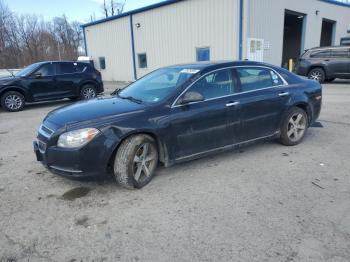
column 329, row 47
column 219, row 64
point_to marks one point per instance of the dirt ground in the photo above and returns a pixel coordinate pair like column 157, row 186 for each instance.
column 266, row 202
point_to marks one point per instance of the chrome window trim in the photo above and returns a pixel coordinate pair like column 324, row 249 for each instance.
column 285, row 83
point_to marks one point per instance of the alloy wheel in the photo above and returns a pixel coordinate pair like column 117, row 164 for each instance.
column 296, row 127
column 13, row 102
column 316, row 75
column 145, row 161
column 89, row 93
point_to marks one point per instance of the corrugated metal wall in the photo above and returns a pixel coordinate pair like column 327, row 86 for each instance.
column 170, row 34
column 265, row 19
column 111, row 40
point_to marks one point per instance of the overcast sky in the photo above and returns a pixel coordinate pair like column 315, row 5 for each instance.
column 79, row 10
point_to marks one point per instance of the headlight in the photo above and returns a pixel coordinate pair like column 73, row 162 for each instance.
column 77, row 138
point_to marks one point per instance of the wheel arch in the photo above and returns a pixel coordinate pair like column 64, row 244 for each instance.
column 162, row 149
column 306, row 107
column 87, row 82
column 323, row 67
column 16, row 89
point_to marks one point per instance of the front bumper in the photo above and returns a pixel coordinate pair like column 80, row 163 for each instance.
column 90, row 160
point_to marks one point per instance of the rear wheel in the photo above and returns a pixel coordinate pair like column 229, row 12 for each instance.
column 87, row 92
column 294, row 127
column 12, row 101
column 317, row 74
column 136, row 161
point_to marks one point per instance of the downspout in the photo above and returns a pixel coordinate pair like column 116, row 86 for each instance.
column 240, row 54
column 133, row 47
column 85, row 46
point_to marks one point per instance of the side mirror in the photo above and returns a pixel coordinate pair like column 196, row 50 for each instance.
column 192, row 96
column 37, row 75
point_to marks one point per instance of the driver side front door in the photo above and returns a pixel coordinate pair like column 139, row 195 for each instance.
column 202, row 126
column 42, row 82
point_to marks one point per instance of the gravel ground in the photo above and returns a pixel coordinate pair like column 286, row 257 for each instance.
column 266, row 202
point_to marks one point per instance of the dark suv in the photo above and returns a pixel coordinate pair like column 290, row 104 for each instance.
column 50, row 81
column 325, row 63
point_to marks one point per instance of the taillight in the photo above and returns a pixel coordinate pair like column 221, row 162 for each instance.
column 318, row 97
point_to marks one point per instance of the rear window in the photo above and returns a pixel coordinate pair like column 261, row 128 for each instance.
column 321, row 53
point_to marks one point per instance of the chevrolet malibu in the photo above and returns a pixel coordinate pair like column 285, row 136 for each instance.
column 175, row 114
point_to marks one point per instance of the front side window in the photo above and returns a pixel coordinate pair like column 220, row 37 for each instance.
column 252, row 78
column 65, row 68
column 157, row 85
column 46, row 70
column 203, row 54
column 214, row 85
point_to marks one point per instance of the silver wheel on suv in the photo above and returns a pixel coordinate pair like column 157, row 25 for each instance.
column 12, row 101
column 88, row 92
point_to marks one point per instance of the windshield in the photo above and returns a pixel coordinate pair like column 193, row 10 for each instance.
column 27, row 70
column 157, row 85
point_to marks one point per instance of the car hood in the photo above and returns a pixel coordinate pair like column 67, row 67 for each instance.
column 7, row 80
column 92, row 111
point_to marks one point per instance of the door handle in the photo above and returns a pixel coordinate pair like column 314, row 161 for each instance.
column 232, row 104
column 283, row 94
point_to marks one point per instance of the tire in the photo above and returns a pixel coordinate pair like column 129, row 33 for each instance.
column 87, row 92
column 317, row 74
column 12, row 101
column 136, row 161
column 294, row 127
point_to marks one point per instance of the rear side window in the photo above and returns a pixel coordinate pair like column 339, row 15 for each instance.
column 321, row 53
column 65, row 68
column 344, row 52
column 254, row 78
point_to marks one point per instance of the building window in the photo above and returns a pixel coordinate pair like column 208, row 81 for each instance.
column 203, row 54
column 102, row 62
column 142, row 60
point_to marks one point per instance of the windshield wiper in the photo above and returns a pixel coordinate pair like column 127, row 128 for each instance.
column 133, row 99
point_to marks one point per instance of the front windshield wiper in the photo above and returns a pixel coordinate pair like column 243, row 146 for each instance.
column 133, row 99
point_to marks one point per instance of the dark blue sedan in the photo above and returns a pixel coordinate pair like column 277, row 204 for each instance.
column 175, row 114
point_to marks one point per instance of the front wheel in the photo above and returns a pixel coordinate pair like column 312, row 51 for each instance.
column 294, row 127
column 136, row 161
column 88, row 92
column 12, row 101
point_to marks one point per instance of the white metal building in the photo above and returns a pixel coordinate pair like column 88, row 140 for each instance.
column 127, row 46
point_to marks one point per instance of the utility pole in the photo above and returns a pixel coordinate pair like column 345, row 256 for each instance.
column 59, row 50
